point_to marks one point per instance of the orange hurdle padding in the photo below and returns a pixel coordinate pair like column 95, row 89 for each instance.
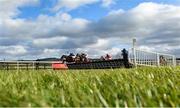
column 59, row 66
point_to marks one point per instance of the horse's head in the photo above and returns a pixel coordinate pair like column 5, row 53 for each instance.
column 63, row 57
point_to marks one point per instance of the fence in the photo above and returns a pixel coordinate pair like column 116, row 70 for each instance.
column 35, row 65
column 178, row 62
column 147, row 58
column 115, row 63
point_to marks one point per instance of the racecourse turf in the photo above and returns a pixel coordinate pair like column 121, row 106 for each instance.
column 141, row 87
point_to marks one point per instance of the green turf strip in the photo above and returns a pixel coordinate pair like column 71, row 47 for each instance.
column 144, row 87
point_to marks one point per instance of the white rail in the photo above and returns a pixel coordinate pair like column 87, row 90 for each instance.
column 148, row 58
column 8, row 65
column 29, row 61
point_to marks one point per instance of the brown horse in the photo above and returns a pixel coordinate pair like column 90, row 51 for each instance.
column 81, row 58
column 66, row 58
column 84, row 58
column 78, row 58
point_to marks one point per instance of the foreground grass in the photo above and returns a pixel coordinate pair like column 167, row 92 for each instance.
column 119, row 87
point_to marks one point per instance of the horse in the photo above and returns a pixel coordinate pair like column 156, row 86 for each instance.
column 66, row 58
column 84, row 58
column 78, row 58
column 81, row 58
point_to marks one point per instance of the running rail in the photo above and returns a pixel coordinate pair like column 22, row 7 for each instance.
column 7, row 65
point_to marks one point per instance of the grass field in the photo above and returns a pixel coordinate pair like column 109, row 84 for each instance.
column 119, row 87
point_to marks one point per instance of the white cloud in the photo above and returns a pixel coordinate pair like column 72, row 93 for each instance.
column 51, row 52
column 8, row 8
column 72, row 4
column 49, row 42
column 101, row 43
column 44, row 26
column 146, row 48
column 107, row 3
column 13, row 50
column 116, row 12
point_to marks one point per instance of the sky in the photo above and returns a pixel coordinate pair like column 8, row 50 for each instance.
column 31, row 29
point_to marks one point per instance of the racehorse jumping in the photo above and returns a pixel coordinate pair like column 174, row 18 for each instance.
column 79, row 58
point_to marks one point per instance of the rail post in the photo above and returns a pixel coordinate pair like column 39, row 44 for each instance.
column 17, row 66
column 27, row 68
column 174, row 61
column 33, row 66
column 158, row 59
column 7, row 65
column 134, row 52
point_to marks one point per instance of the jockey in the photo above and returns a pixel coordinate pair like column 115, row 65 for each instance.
column 102, row 58
column 84, row 58
column 72, row 55
column 108, row 57
column 77, row 58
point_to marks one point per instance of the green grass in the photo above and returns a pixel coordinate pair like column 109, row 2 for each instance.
column 118, row 88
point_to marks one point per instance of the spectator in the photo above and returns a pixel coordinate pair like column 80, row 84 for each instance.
column 125, row 58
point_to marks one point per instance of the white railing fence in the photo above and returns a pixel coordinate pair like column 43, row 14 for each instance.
column 28, row 65
column 147, row 58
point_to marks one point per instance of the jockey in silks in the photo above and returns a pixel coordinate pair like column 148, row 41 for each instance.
column 108, row 57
